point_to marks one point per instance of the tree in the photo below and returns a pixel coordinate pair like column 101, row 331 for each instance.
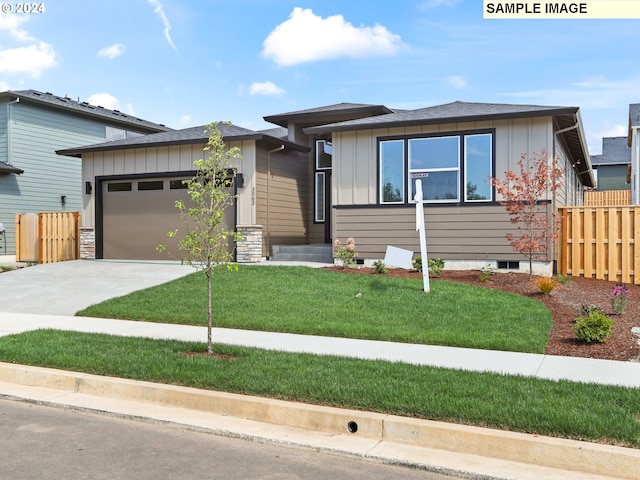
column 525, row 195
column 206, row 242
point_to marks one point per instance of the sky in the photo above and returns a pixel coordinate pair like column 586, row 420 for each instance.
column 185, row 63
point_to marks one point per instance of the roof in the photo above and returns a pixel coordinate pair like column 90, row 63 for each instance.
column 447, row 113
column 6, row 168
column 615, row 151
column 182, row 137
column 330, row 113
column 566, row 121
column 83, row 108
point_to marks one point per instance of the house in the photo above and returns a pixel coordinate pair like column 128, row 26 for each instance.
column 612, row 168
column 634, row 143
column 344, row 170
column 33, row 178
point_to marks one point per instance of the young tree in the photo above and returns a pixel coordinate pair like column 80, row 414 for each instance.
column 206, row 241
column 525, row 195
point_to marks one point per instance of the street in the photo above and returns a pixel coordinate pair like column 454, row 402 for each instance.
column 41, row 442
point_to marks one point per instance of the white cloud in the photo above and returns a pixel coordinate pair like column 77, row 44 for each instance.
column 11, row 24
column 31, row 60
column 159, row 10
column 185, row 120
column 4, row 86
column 457, row 82
column 112, row 51
column 428, row 4
column 306, row 37
column 105, row 100
column 265, row 88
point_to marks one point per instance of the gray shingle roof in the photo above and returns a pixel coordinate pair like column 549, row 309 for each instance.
column 84, row 108
column 634, row 115
column 338, row 112
column 615, row 151
column 180, row 137
column 447, row 113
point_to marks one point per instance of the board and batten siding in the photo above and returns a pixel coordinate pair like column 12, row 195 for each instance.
column 460, row 232
column 161, row 160
column 282, row 198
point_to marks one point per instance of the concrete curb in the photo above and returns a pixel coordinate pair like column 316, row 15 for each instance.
column 371, row 434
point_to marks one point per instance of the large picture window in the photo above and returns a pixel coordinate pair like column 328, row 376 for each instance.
column 453, row 168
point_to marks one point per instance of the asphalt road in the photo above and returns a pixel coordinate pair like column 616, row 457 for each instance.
column 41, row 442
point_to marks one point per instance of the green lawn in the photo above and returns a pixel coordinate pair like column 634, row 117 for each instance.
column 564, row 409
column 321, row 302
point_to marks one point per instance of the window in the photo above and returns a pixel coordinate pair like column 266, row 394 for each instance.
column 151, row 185
column 319, row 206
column 324, row 162
column 178, row 184
column 453, row 168
column 119, row 187
column 113, row 133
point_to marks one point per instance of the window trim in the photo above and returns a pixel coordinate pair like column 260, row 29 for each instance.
column 462, row 167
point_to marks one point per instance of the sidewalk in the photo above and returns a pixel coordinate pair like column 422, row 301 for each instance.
column 606, row 372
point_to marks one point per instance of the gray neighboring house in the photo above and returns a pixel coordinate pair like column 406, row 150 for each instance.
column 634, row 143
column 33, row 125
column 612, row 168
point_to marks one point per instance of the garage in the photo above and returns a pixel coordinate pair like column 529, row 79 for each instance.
column 137, row 213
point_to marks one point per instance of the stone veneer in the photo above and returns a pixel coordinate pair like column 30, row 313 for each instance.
column 87, row 242
column 249, row 247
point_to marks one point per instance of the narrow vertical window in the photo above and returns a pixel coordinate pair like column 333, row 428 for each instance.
column 478, row 167
column 320, row 200
column 392, row 171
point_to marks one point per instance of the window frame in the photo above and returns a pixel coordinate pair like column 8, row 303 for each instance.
column 319, row 194
column 462, row 171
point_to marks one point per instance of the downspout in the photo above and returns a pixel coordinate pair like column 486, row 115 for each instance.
column 269, row 152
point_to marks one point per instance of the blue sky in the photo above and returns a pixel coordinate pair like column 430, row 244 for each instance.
column 186, row 63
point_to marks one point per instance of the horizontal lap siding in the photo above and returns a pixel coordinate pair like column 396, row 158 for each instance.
column 455, row 233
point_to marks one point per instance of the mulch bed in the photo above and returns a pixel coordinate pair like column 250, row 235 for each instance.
column 564, row 303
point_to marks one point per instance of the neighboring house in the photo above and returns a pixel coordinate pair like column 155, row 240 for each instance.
column 612, row 167
column 345, row 170
column 634, row 144
column 33, row 125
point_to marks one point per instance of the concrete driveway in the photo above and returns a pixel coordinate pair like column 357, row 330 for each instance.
column 64, row 288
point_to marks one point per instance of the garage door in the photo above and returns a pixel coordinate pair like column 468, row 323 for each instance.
column 138, row 213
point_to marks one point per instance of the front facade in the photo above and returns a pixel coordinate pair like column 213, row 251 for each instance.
column 345, row 170
column 453, row 149
column 33, row 178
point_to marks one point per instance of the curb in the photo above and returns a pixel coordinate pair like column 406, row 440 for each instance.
column 370, row 432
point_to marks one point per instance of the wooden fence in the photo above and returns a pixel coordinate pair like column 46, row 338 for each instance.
column 48, row 237
column 600, row 242
column 607, row 198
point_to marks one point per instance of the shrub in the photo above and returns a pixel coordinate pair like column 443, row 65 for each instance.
column 417, row 263
column 619, row 297
column 561, row 279
column 486, row 272
column 595, row 327
column 546, row 284
column 379, row 267
column 436, row 265
column 347, row 253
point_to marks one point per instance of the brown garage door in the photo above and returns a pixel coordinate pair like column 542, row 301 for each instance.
column 138, row 213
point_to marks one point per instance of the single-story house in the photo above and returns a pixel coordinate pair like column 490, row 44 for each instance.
column 343, row 171
column 33, row 178
column 612, row 168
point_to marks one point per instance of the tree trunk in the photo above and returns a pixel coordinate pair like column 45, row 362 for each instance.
column 209, row 315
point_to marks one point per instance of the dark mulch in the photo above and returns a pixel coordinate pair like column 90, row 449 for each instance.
column 564, row 303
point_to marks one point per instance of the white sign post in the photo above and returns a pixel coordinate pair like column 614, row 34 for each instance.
column 423, row 234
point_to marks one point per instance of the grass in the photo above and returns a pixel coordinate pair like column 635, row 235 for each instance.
column 320, row 302
column 563, row 409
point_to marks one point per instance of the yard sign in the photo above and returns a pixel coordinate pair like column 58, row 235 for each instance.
column 423, row 234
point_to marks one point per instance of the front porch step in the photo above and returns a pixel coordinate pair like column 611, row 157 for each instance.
column 318, row 253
